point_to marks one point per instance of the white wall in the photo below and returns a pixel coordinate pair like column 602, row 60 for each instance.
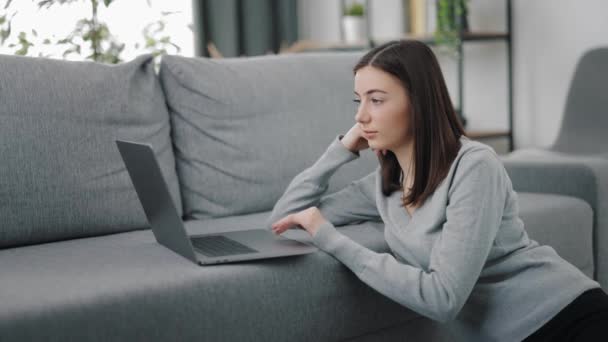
column 548, row 38
column 318, row 20
column 387, row 18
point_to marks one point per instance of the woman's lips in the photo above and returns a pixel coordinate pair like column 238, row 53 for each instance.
column 369, row 134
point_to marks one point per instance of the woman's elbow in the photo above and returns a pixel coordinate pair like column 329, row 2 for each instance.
column 448, row 308
column 441, row 313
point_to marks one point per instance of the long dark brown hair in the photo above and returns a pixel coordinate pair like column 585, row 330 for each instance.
column 435, row 129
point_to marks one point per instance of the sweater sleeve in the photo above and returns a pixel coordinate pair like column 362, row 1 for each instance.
column 473, row 215
column 356, row 202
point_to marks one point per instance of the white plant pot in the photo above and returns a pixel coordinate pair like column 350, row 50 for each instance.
column 354, row 29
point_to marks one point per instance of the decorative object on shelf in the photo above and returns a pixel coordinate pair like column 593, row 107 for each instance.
column 417, row 17
column 354, row 23
column 451, row 23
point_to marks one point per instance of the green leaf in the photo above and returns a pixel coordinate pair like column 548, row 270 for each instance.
column 87, row 35
column 3, row 36
column 47, row 3
column 9, row 29
column 356, row 9
column 23, row 50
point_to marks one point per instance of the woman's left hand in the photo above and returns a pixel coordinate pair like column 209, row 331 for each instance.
column 310, row 219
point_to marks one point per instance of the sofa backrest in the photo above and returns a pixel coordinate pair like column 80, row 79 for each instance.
column 61, row 175
column 244, row 127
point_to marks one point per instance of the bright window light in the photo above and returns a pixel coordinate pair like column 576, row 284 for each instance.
column 126, row 20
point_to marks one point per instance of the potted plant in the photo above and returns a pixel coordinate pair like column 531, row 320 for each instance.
column 451, row 22
column 353, row 23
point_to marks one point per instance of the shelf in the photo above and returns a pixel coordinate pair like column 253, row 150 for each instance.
column 307, row 45
column 428, row 38
column 472, row 36
column 487, row 134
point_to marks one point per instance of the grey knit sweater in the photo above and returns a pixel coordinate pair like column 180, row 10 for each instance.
column 463, row 258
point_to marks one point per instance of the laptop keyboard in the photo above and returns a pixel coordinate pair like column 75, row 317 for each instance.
column 217, row 245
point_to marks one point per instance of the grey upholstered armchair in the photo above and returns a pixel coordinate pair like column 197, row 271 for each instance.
column 585, row 123
column 576, row 164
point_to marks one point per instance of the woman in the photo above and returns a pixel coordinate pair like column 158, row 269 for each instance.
column 461, row 254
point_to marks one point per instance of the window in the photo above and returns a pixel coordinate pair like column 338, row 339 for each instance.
column 45, row 27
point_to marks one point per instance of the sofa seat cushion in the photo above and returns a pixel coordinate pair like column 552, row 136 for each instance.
column 127, row 287
column 562, row 222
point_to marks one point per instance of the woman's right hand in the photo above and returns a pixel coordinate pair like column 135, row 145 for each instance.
column 355, row 141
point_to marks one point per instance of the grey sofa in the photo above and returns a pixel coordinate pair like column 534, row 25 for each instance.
column 77, row 261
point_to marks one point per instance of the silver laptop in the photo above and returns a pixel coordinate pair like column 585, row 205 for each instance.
column 169, row 230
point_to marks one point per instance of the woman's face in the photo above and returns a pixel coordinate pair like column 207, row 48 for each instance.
column 384, row 108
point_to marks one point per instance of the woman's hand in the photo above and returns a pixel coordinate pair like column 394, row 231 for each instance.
column 355, row 141
column 310, row 219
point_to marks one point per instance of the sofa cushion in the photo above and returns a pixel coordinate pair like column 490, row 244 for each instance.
column 244, row 127
column 126, row 287
column 562, row 222
column 61, row 175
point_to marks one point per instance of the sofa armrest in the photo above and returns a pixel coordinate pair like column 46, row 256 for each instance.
column 585, row 177
column 562, row 178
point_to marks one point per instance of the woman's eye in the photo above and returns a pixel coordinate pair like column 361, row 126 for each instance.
column 376, row 101
column 356, row 101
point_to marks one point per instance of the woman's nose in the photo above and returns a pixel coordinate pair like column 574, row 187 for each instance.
column 361, row 115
